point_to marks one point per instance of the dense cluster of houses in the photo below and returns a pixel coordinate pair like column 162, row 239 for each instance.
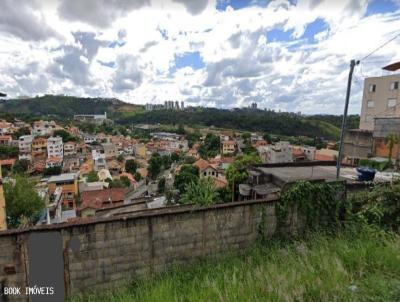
column 70, row 195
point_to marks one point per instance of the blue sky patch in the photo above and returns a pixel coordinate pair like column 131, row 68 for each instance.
column 314, row 28
column 381, row 6
column 239, row 4
column 116, row 43
column 279, row 35
column 192, row 59
column 107, row 64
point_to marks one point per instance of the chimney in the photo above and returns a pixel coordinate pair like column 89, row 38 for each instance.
column 3, row 222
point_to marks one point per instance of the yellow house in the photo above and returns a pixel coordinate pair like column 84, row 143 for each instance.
column 69, row 184
column 39, row 148
column 140, row 150
column 228, row 147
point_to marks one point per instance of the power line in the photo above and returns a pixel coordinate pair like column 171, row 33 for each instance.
column 380, row 47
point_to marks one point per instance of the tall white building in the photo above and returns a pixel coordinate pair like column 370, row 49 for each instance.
column 55, row 147
column 25, row 147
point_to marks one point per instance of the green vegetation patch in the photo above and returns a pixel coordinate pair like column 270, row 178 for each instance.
column 354, row 265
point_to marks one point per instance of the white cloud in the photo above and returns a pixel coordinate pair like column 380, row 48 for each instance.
column 127, row 49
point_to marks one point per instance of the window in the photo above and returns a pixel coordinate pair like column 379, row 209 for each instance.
column 370, row 104
column 372, row 88
column 394, row 85
column 368, row 118
column 391, row 103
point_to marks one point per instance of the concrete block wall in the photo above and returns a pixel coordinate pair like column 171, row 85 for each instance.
column 100, row 254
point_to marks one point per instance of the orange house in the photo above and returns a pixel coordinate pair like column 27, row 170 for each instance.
column 69, row 184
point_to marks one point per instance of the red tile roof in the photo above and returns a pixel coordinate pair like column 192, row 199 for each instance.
column 323, row 157
column 98, row 199
column 202, row 164
column 7, row 162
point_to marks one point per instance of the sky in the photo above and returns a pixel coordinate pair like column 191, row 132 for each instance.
column 284, row 55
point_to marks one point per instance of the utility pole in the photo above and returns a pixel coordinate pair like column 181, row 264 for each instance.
column 353, row 63
column 3, row 220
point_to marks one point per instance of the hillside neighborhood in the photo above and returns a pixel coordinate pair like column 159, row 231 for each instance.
column 80, row 174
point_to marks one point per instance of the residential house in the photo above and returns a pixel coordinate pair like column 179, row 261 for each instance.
column 5, row 127
column 68, row 182
column 39, row 148
column 206, row 169
column 140, row 150
column 357, row 144
column 99, row 199
column 52, row 162
column 110, row 150
column 43, row 128
column 381, row 99
column 55, row 147
column 281, row 152
column 326, row 155
column 25, row 147
column 69, row 148
column 5, row 139
column 382, row 129
column 229, row 147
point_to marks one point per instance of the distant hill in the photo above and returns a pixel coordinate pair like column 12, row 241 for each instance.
column 65, row 107
column 327, row 126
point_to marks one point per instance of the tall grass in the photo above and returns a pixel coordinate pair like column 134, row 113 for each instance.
column 352, row 265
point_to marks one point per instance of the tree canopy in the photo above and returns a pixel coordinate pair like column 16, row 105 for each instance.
column 22, row 201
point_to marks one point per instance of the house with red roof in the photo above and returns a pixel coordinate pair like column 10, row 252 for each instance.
column 99, row 199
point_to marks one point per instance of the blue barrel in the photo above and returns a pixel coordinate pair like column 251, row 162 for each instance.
column 366, row 174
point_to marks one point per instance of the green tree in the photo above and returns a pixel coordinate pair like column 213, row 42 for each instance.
column 193, row 137
column 155, row 164
column 22, row 201
column 268, row 138
column 8, row 152
column 174, row 157
column 202, row 192
column 180, row 130
column 138, row 176
column 189, row 160
column 20, row 166
column 131, row 166
column 237, row 171
column 161, row 185
column 210, row 147
column 65, row 135
column 391, row 140
column 166, row 161
column 52, row 171
column 120, row 158
column 126, row 182
column 92, row 176
column 116, row 183
column 246, row 135
column 21, row 131
column 186, row 175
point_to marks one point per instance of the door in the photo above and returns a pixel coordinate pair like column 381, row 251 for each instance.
column 46, row 267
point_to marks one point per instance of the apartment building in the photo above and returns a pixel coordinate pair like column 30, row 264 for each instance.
column 39, row 148
column 381, row 99
column 69, row 148
column 25, row 147
column 43, row 128
column 281, row 152
column 55, row 147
